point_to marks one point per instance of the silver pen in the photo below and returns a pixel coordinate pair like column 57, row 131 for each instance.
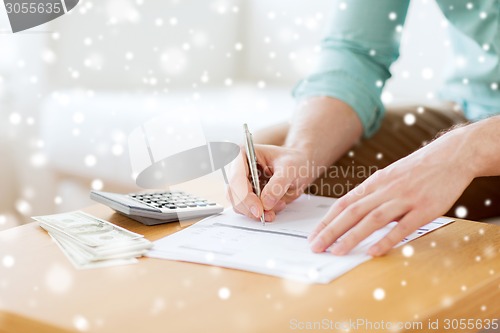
column 252, row 165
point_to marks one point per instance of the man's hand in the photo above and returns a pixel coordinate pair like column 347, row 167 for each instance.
column 283, row 179
column 412, row 191
column 323, row 129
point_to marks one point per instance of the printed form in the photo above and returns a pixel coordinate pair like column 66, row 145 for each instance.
column 279, row 248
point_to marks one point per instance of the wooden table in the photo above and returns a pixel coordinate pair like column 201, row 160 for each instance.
column 454, row 274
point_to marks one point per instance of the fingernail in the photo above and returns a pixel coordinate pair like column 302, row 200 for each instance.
column 255, row 211
column 374, row 250
column 268, row 201
column 317, row 245
column 338, row 249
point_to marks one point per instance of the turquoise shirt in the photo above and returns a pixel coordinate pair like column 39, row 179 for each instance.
column 362, row 42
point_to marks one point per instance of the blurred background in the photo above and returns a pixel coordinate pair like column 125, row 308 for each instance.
column 73, row 89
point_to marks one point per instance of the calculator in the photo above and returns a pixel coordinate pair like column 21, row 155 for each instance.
column 152, row 208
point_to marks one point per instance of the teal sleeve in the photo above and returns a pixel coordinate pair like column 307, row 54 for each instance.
column 361, row 43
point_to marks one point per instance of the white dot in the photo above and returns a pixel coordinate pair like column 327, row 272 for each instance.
column 483, row 308
column 261, row 84
column 470, row 5
column 399, row 28
column 486, row 47
column 81, row 323
column 478, row 258
column 433, row 244
column 158, row 22
column 380, row 156
column 238, row 46
column 463, row 288
column 373, row 52
column 466, row 238
column 90, row 160
column 295, row 288
column 487, row 202
column 379, row 294
column 271, row 15
column 58, row 279
column 427, row 73
column 494, row 86
column 48, row 56
column 209, row 256
column 392, row 16
column 87, row 41
column 38, row 160
column 173, row 21
column 409, row 119
column 78, row 117
column 447, row 301
column 378, row 83
column 129, row 56
column 408, row 251
column 23, row 207
column 461, row 212
column 403, row 283
column 224, row 293
column 117, row 149
column 483, row 15
column 8, row 261
column 481, row 231
column 228, row 82
column 97, row 184
column 465, row 80
column 57, row 200
column 342, row 6
column 387, row 97
column 15, row 118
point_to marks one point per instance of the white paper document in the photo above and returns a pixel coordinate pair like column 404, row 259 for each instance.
column 279, row 248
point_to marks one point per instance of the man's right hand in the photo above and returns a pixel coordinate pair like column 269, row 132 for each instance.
column 284, row 174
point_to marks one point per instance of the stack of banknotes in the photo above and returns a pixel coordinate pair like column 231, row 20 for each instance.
column 90, row 242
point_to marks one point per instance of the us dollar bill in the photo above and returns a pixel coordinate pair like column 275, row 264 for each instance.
column 86, row 229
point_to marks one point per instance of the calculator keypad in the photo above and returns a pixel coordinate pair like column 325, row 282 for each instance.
column 171, row 200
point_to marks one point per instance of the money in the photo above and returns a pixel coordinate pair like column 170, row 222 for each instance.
column 90, row 242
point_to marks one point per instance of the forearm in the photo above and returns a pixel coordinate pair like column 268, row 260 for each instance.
column 483, row 138
column 324, row 129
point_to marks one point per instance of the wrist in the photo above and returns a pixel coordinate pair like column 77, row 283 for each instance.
column 483, row 138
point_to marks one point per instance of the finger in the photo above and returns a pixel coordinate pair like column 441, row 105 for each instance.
column 279, row 206
column 345, row 221
column 293, row 193
column 337, row 208
column 277, row 187
column 250, row 206
column 269, row 215
column 240, row 191
column 375, row 220
column 408, row 224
